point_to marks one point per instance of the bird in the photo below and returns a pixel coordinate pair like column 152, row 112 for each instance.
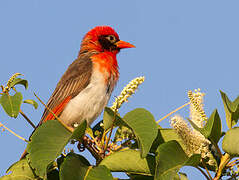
column 85, row 88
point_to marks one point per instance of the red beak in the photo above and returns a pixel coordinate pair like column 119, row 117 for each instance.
column 123, row 44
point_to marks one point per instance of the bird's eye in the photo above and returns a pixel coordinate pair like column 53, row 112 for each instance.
column 111, row 38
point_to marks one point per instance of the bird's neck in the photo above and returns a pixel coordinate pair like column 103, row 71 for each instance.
column 105, row 60
column 107, row 64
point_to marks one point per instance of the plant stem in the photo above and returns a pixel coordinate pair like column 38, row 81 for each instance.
column 95, row 141
column 218, row 149
column 9, row 130
column 173, row 112
column 121, row 145
column 203, row 173
column 111, row 129
column 88, row 170
column 204, row 165
column 234, row 161
column 112, row 126
column 28, row 120
column 231, row 165
column 2, row 87
column 103, row 137
column 224, row 160
column 94, row 151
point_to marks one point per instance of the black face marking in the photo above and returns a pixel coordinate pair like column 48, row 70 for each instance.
column 108, row 42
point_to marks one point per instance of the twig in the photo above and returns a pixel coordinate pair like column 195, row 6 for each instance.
column 218, row 149
column 203, row 173
column 88, row 170
column 95, row 141
column 68, row 128
column 122, row 145
column 234, row 161
column 234, row 164
column 173, row 112
column 205, row 167
column 2, row 87
column 108, row 139
column 94, row 152
column 103, row 137
column 1, row 125
column 28, row 120
column 224, row 160
column 111, row 129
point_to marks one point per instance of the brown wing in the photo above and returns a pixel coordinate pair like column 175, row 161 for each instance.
column 73, row 81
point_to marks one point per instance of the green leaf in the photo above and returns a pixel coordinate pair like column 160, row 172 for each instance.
column 99, row 172
column 89, row 131
column 108, row 118
column 176, row 177
column 230, row 142
column 19, row 81
column 130, row 161
column 171, row 158
column 231, row 110
column 53, row 175
column 144, row 126
column 32, row 102
column 20, row 170
column 47, row 143
column 212, row 129
column 140, row 177
column 165, row 135
column 74, row 167
column 11, row 104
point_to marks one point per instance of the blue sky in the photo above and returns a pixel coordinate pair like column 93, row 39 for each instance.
column 180, row 45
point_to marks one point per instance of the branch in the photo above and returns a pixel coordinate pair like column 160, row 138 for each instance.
column 9, row 130
column 111, row 129
column 91, row 148
column 218, row 149
column 205, row 167
column 224, row 160
column 94, row 140
column 173, row 112
column 28, row 120
column 203, row 173
column 233, row 163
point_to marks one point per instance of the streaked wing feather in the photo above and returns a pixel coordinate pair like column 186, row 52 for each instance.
column 73, row 81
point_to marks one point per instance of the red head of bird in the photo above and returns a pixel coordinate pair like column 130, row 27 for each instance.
column 103, row 39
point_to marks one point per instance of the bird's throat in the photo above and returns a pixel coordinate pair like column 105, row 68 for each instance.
column 107, row 64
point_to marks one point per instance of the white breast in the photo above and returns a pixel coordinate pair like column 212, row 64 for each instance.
column 89, row 103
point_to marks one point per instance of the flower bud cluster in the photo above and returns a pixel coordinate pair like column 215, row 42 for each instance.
column 128, row 91
column 197, row 114
column 194, row 141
